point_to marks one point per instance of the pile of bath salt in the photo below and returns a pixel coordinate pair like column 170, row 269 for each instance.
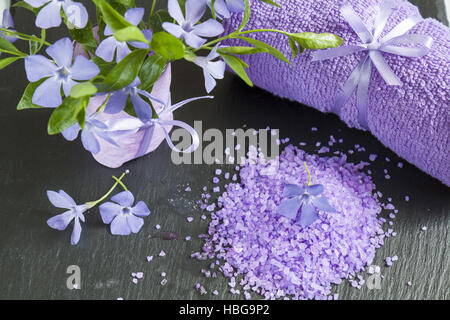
column 267, row 254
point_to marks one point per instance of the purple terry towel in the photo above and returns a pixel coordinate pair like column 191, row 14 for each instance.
column 413, row 120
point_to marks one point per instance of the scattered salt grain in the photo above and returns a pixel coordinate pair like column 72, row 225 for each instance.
column 149, row 258
column 157, row 227
column 372, row 157
column 215, row 292
column 189, row 219
column 424, row 228
column 162, row 254
column 139, row 275
column 188, row 238
column 188, row 189
column 163, row 282
column 407, row 198
column 400, row 165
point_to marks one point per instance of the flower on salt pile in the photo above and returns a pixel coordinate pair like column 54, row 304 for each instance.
column 110, row 45
column 224, row 8
column 211, row 69
column 50, row 15
column 59, row 73
column 118, row 100
column 187, row 28
column 302, row 203
column 60, row 222
column 124, row 218
column 7, row 23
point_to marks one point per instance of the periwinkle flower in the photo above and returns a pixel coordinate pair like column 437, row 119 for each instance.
column 118, row 100
column 92, row 128
column 60, row 222
column 50, row 14
column 224, row 8
column 302, row 203
column 7, row 23
column 110, row 45
column 123, row 217
column 211, row 69
column 187, row 28
column 60, row 72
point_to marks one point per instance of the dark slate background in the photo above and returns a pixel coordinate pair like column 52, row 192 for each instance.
column 34, row 258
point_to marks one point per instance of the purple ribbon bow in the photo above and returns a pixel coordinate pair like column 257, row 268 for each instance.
column 391, row 43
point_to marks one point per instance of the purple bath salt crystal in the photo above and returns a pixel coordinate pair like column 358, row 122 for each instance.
column 277, row 258
column 407, row 198
column 389, row 261
column 314, row 129
column 188, row 238
column 188, row 189
column 372, row 157
column 216, row 189
column 157, row 227
column 149, row 258
column 162, row 254
column 163, row 274
column 139, row 275
column 215, row 180
column 387, row 177
column 394, row 258
column 218, row 172
column 227, row 175
column 400, row 165
column 388, row 160
column 134, row 280
column 189, row 219
column 215, row 292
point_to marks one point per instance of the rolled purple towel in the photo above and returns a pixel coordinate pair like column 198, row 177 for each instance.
column 413, row 120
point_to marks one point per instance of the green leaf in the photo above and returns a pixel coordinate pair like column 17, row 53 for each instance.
column 104, row 66
column 27, row 97
column 130, row 34
column 117, row 23
column 127, row 3
column 7, row 47
column 66, row 115
column 240, row 50
column 311, row 40
column 271, row 50
column 84, row 36
column 246, row 16
column 82, row 90
column 167, row 46
column 158, row 18
column 271, row 3
column 7, row 61
column 237, row 65
column 151, row 70
column 125, row 72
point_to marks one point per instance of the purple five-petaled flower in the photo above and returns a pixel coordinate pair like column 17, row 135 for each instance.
column 110, row 45
column 211, row 69
column 301, row 203
column 187, row 28
column 224, row 8
column 118, row 100
column 50, row 14
column 60, row 72
column 7, row 23
column 60, row 222
column 93, row 128
column 124, row 218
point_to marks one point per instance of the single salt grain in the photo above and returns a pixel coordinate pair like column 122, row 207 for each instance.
column 372, row 157
column 157, row 227
column 139, row 275
column 188, row 189
column 189, row 219
column 163, row 282
column 134, row 280
column 188, row 238
column 388, row 160
column 400, row 165
column 407, row 198
column 409, row 283
column 218, row 172
column 163, row 274
column 215, row 292
column 215, row 180
column 216, row 189
column 424, row 228
column 149, row 258
column 314, row 129
column 119, row 298
column 203, row 217
column 162, row 254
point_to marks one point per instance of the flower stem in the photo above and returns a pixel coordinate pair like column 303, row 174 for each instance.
column 118, row 181
column 153, row 8
column 236, row 34
column 309, row 174
column 24, row 36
